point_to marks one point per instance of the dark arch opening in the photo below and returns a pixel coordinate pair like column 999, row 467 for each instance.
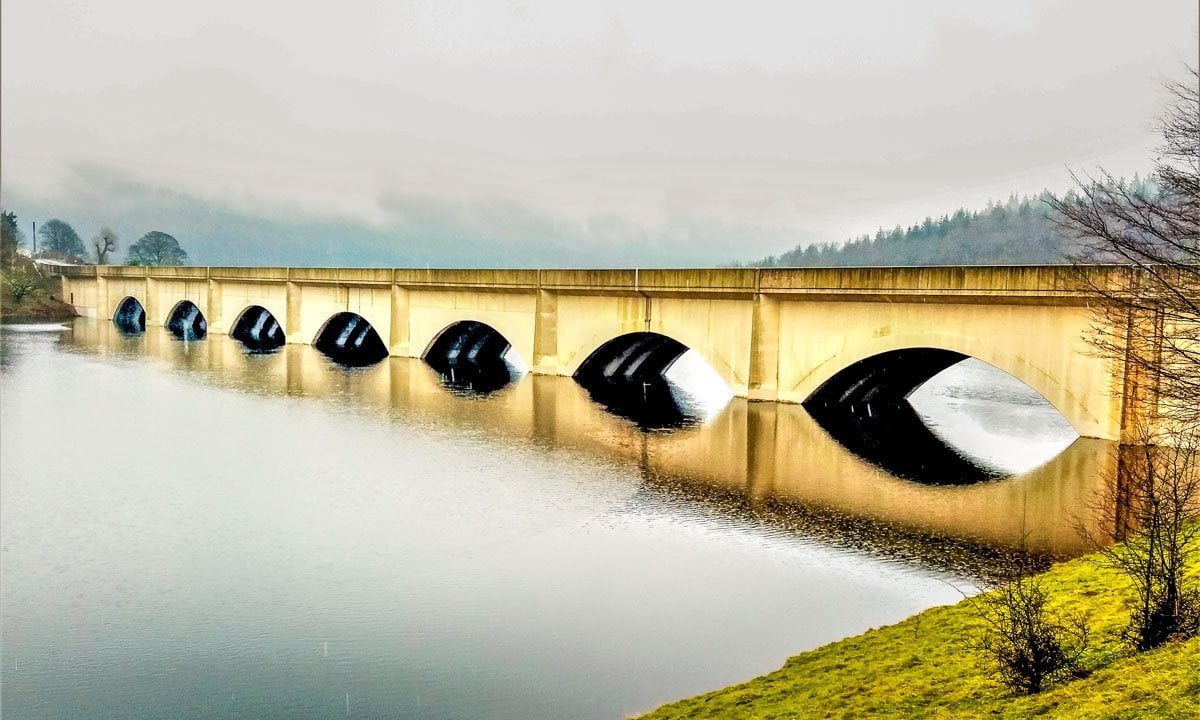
column 258, row 330
column 187, row 322
column 866, row 408
column 348, row 339
column 130, row 316
column 471, row 356
column 627, row 375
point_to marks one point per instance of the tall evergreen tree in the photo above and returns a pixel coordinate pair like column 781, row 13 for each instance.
column 11, row 238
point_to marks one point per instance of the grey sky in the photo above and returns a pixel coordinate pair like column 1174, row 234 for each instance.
column 643, row 131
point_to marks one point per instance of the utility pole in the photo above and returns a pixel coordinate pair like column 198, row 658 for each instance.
column 34, row 239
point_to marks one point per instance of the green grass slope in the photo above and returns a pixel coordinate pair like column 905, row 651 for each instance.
column 924, row 667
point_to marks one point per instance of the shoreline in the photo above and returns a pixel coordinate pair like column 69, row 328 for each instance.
column 38, row 309
column 924, row 666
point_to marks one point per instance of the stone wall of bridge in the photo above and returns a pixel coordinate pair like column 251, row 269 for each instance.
column 771, row 334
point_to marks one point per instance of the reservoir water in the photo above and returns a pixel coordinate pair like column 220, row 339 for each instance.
column 188, row 530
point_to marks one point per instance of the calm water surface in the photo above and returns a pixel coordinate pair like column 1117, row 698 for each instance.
column 189, row 531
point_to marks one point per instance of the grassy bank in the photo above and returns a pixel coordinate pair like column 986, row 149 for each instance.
column 924, row 668
column 25, row 293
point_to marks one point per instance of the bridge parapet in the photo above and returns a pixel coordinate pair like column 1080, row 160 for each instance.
column 523, row 279
column 589, row 280
column 249, row 274
column 1049, row 283
column 1043, row 280
column 343, row 276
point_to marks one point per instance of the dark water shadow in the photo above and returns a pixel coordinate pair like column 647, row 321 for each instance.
column 469, row 358
column 894, row 437
column 865, row 408
column 258, row 331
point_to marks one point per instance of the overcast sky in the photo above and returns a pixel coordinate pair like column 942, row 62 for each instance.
column 621, row 132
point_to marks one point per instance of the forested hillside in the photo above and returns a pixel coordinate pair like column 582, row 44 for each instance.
column 1019, row 231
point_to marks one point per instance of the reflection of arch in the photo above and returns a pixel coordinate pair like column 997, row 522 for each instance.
column 627, row 375
column 257, row 329
column 865, row 408
column 471, row 354
column 130, row 316
column 186, row 321
column 1082, row 418
column 347, row 338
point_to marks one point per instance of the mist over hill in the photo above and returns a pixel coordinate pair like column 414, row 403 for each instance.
column 1019, row 231
column 408, row 231
column 418, row 231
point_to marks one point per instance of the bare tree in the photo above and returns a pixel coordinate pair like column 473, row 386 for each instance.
column 104, row 243
column 60, row 241
column 1153, row 502
column 1150, row 320
column 1151, row 317
column 1031, row 645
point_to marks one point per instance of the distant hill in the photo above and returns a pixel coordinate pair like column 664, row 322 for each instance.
column 1020, row 231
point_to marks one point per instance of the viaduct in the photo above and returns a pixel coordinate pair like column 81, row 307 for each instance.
column 854, row 335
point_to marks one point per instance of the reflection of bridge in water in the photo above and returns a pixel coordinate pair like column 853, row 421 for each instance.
column 760, row 453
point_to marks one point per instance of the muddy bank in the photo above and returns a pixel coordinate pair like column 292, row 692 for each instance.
column 35, row 309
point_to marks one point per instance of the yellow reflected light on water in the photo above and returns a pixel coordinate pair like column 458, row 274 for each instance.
column 764, row 454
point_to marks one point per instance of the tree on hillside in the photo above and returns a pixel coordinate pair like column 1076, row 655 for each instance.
column 1151, row 321
column 157, row 248
column 1155, row 228
column 22, row 279
column 1019, row 230
column 11, row 238
column 105, row 242
column 60, row 241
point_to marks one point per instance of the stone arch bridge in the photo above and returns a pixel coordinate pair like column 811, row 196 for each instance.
column 771, row 334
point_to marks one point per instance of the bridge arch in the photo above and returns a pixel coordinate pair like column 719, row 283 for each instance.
column 349, row 339
column 697, row 342
column 428, row 325
column 258, row 329
column 917, row 357
column 186, row 321
column 473, row 354
column 628, row 374
column 130, row 315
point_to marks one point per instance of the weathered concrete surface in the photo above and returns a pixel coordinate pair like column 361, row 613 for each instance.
column 771, row 334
